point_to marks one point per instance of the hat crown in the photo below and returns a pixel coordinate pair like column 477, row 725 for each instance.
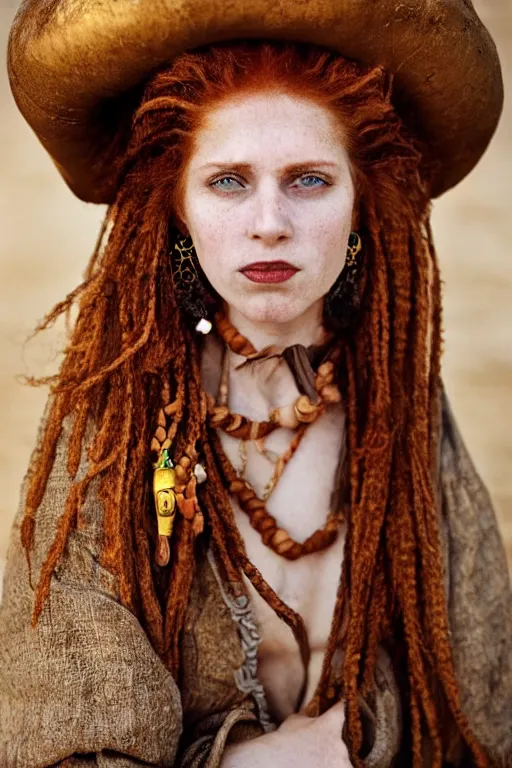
column 447, row 75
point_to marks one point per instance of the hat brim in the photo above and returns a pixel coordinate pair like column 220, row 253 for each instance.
column 74, row 68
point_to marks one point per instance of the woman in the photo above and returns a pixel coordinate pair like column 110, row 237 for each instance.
column 250, row 523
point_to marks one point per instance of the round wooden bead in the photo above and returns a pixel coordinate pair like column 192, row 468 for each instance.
column 257, row 516
column 294, row 552
column 198, row 523
column 284, row 547
column 285, row 417
column 246, row 494
column 160, row 434
column 331, row 394
column 326, row 368
column 220, row 413
column 257, row 430
column 305, row 410
column 235, row 423
column 255, row 503
column 181, row 474
column 280, row 536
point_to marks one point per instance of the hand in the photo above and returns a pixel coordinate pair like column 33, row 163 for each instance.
column 299, row 741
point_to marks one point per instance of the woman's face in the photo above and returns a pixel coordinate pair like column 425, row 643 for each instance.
column 268, row 202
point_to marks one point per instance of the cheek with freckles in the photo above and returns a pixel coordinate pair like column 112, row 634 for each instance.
column 281, row 302
column 320, row 252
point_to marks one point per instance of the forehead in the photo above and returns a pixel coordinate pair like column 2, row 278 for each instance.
column 283, row 127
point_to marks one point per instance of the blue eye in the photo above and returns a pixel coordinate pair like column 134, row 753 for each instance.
column 223, row 178
column 312, row 177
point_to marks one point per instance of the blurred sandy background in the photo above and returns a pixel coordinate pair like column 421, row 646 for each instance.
column 46, row 237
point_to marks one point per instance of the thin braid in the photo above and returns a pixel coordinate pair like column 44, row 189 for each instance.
column 319, row 703
column 437, row 343
column 116, row 504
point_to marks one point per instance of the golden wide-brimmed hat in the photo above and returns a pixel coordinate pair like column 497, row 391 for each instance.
column 74, row 65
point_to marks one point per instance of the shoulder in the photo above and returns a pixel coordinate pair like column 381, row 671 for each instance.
column 479, row 593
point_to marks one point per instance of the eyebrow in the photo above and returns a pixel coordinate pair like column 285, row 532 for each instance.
column 303, row 166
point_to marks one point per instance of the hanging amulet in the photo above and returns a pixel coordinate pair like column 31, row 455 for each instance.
column 164, row 482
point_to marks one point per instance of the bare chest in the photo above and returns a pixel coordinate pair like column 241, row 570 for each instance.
column 300, row 503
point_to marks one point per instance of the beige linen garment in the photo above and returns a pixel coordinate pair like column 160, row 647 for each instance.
column 2, row 568
column 85, row 687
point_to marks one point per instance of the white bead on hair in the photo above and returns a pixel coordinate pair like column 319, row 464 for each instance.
column 200, row 473
column 203, row 326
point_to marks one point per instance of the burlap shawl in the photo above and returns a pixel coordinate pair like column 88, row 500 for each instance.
column 86, row 688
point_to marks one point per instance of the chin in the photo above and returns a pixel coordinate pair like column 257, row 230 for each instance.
column 271, row 309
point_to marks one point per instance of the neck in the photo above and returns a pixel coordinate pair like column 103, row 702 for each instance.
column 307, row 329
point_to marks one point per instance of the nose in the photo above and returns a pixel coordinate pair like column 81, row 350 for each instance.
column 270, row 221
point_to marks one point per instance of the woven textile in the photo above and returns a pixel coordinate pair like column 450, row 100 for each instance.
column 85, row 687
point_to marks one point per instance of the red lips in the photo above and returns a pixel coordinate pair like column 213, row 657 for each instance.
column 269, row 271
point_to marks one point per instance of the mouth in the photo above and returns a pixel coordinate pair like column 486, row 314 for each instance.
column 269, row 271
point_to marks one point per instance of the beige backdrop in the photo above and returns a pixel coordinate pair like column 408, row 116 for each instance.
column 47, row 236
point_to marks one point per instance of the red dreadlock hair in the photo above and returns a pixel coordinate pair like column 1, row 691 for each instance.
column 130, row 343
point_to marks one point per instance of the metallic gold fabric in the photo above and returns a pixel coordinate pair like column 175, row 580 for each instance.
column 74, row 64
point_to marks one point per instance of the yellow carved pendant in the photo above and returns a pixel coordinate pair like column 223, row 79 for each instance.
column 164, row 482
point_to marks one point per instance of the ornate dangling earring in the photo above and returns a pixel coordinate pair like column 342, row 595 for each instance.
column 344, row 298
column 190, row 283
column 354, row 246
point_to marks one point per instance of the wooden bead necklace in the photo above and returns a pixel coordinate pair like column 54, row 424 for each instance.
column 305, row 410
column 278, row 539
